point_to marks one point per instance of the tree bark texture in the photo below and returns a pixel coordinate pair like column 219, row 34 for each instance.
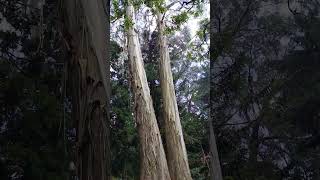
column 85, row 26
column 176, row 149
column 153, row 160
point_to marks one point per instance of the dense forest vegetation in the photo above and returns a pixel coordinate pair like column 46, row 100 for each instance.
column 159, row 90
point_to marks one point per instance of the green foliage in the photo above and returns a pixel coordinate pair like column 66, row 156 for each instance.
column 32, row 139
column 125, row 156
column 169, row 30
column 195, row 136
column 156, row 5
column 203, row 32
column 33, row 136
column 128, row 23
column 118, row 11
column 136, row 3
column 180, row 18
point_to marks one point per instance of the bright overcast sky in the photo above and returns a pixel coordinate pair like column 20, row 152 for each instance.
column 193, row 23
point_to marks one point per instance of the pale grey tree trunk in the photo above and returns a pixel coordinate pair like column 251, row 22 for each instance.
column 153, row 160
column 85, row 30
column 215, row 168
column 176, row 150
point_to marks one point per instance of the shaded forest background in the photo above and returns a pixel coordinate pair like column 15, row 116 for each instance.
column 265, row 87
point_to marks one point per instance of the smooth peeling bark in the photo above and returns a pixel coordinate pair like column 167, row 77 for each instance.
column 175, row 146
column 153, row 164
column 85, row 31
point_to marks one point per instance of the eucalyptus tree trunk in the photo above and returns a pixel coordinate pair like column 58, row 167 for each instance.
column 215, row 167
column 85, row 31
column 176, row 149
column 153, row 160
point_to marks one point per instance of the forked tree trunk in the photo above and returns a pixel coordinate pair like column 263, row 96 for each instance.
column 176, row 149
column 88, row 75
column 153, row 160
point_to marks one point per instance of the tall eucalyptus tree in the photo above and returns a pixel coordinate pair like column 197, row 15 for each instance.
column 85, row 27
column 176, row 150
column 153, row 164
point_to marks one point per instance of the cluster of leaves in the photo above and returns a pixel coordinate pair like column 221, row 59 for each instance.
column 34, row 138
column 124, row 139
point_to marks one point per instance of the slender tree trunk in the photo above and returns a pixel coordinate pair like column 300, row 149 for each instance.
column 176, row 150
column 153, row 160
column 88, row 75
column 215, row 167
